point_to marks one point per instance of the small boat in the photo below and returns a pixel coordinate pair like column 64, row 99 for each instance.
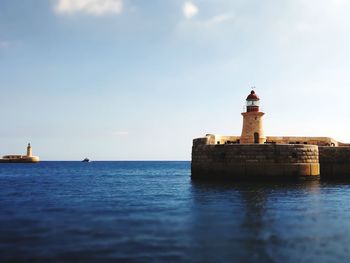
column 86, row 160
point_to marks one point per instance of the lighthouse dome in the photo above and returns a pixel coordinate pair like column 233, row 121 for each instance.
column 253, row 96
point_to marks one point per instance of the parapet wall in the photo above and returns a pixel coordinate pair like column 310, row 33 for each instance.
column 320, row 141
column 248, row 161
column 334, row 162
column 217, row 139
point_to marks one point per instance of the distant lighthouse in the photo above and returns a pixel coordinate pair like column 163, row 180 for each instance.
column 253, row 130
column 29, row 150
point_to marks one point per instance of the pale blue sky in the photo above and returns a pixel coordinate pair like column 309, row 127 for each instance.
column 138, row 80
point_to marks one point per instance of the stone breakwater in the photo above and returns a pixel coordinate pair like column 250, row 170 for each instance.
column 254, row 161
column 254, row 156
column 268, row 161
column 335, row 162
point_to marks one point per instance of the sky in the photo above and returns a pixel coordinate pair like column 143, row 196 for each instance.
column 138, row 80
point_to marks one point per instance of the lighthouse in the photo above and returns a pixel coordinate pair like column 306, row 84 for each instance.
column 253, row 130
column 29, row 150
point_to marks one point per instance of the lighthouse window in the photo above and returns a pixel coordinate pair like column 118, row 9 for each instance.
column 252, row 103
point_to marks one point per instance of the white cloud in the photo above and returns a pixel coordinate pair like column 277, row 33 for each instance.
column 91, row 7
column 219, row 19
column 211, row 27
column 190, row 10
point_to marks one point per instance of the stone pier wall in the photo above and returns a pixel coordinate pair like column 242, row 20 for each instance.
column 252, row 161
column 334, row 162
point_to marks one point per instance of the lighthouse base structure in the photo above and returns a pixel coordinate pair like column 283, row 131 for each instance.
column 254, row 161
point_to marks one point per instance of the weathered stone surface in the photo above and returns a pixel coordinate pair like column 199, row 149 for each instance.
column 252, row 161
column 335, row 162
column 252, row 123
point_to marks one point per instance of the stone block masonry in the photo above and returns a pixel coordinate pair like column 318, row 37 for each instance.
column 254, row 161
column 335, row 162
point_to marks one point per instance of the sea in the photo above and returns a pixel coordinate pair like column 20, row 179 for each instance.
column 154, row 212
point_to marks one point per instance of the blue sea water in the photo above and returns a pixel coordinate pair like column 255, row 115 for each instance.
column 153, row 212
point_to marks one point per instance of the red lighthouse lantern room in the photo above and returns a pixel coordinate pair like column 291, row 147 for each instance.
column 253, row 102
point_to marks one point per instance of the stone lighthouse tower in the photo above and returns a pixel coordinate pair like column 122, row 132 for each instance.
column 253, row 131
column 29, row 150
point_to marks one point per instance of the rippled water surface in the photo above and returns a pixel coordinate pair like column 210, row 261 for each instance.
column 153, row 212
